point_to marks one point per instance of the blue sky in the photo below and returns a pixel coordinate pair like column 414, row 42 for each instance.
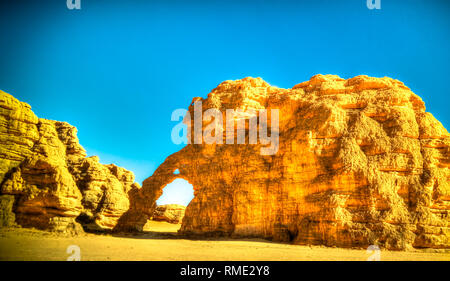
column 117, row 69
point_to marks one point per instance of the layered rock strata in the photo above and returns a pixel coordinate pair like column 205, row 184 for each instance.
column 46, row 180
column 172, row 213
column 360, row 162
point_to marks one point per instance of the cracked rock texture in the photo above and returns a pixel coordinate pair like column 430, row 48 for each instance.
column 46, row 180
column 360, row 162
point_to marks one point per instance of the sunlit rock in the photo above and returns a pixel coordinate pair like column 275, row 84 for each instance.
column 360, row 162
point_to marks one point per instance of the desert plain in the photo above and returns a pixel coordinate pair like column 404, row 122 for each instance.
column 162, row 244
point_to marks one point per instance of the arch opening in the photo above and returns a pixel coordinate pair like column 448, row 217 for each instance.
column 179, row 192
column 170, row 207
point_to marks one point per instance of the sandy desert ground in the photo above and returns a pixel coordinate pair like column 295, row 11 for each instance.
column 160, row 243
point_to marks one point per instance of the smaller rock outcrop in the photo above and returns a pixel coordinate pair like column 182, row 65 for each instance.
column 172, row 213
column 47, row 182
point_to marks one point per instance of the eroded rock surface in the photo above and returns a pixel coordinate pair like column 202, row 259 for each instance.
column 46, row 180
column 172, row 213
column 360, row 162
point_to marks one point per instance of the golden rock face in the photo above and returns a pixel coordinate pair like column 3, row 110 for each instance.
column 46, row 180
column 360, row 162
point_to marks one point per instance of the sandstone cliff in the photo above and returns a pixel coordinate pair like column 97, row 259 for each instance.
column 360, row 162
column 47, row 182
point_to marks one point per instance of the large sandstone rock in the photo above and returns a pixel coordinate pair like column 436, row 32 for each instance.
column 172, row 213
column 360, row 162
column 46, row 179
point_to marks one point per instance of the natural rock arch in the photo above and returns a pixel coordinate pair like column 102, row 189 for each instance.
column 360, row 162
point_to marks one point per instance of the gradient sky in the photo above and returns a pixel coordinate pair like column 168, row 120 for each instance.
column 117, row 69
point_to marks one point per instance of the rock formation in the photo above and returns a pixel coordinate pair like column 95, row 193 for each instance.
column 47, row 182
column 360, row 162
column 172, row 213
